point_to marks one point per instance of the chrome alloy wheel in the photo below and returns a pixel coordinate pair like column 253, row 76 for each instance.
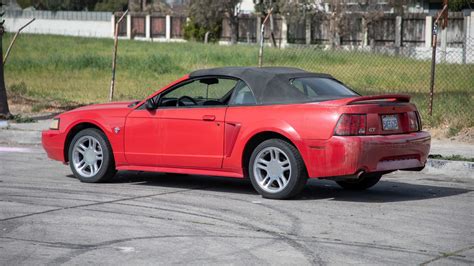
column 272, row 169
column 87, row 156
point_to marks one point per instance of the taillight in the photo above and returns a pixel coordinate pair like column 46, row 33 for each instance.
column 413, row 124
column 420, row 124
column 351, row 125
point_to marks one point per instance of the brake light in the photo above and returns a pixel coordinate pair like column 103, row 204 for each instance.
column 413, row 124
column 351, row 125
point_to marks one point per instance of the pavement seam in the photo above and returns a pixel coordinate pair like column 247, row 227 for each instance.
column 99, row 203
column 445, row 255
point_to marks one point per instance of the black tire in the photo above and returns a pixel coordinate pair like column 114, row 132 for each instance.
column 107, row 167
column 364, row 182
column 297, row 177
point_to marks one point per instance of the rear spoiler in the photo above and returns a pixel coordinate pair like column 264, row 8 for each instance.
column 387, row 97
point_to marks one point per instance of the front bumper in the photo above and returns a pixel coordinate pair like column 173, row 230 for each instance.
column 53, row 144
column 342, row 156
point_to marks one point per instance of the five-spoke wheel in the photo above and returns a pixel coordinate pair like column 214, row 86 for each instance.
column 277, row 170
column 90, row 156
column 272, row 169
column 87, row 156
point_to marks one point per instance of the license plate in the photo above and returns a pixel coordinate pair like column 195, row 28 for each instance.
column 390, row 122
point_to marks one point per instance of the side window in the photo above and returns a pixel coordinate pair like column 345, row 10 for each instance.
column 200, row 92
column 243, row 95
column 314, row 87
column 303, row 88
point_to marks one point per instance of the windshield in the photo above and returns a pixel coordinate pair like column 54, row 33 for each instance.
column 317, row 88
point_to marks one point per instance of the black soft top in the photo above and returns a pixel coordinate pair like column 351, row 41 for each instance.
column 269, row 84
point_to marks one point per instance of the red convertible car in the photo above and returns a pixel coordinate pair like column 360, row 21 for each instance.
column 276, row 126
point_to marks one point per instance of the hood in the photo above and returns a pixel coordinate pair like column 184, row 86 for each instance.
column 108, row 106
column 115, row 107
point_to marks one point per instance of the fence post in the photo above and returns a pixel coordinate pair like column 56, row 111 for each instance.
column 398, row 34
column 168, row 27
column 469, row 33
column 308, row 30
column 113, row 25
column 259, row 24
column 444, row 44
column 129, row 27
column 365, row 33
column 148, row 27
column 284, row 32
column 464, row 42
column 428, row 31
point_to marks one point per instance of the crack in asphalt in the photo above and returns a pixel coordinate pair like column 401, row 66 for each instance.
column 291, row 238
column 251, row 228
column 445, row 255
column 99, row 203
column 74, row 246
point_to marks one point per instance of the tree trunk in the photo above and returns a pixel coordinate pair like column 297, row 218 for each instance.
column 4, row 110
column 334, row 29
column 234, row 29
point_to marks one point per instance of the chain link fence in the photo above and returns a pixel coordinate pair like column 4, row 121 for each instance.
column 390, row 72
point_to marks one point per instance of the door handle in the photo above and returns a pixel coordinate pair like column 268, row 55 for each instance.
column 209, row 117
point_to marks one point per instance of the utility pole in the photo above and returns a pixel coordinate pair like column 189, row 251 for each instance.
column 441, row 18
column 4, row 110
column 262, row 38
column 114, row 56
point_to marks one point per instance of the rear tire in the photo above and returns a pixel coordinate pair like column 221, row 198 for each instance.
column 90, row 156
column 277, row 170
column 364, row 182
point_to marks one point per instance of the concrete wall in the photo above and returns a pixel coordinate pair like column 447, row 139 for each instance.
column 83, row 28
column 408, row 36
column 469, row 53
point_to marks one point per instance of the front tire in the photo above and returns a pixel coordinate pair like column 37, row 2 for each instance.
column 364, row 182
column 277, row 170
column 90, row 156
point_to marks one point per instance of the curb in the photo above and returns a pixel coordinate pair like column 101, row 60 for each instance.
column 4, row 124
column 20, row 137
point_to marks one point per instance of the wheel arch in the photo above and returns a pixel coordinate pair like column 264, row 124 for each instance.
column 73, row 131
column 255, row 140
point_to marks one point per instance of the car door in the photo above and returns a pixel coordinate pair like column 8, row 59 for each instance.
column 141, row 141
column 191, row 123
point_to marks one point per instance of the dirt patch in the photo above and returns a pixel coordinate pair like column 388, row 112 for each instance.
column 465, row 135
column 27, row 107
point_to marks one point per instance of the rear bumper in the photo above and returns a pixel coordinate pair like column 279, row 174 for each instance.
column 341, row 156
column 53, row 144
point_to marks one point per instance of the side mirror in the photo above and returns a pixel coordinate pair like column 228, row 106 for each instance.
column 150, row 104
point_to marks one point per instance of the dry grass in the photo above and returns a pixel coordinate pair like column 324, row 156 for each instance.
column 70, row 71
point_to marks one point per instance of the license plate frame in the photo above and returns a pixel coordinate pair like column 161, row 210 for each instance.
column 390, row 122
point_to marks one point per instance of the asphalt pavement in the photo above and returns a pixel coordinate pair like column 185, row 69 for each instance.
column 49, row 217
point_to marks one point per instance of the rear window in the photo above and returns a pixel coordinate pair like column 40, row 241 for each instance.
column 316, row 88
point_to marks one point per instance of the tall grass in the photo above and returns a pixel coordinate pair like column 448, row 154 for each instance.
column 68, row 69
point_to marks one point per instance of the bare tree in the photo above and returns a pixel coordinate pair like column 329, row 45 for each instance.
column 371, row 12
column 4, row 109
column 232, row 9
column 337, row 15
column 148, row 6
column 209, row 14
